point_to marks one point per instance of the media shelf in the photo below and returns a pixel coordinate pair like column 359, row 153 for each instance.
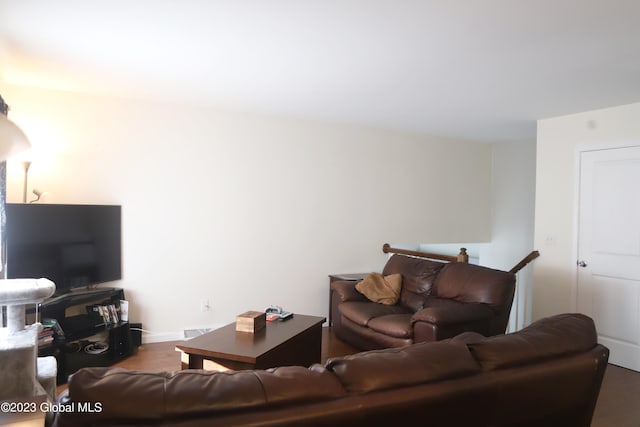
column 85, row 336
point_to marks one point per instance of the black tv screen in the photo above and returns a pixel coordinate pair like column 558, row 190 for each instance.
column 72, row 245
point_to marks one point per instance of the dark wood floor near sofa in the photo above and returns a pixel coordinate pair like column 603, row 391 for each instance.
column 617, row 405
column 618, row 401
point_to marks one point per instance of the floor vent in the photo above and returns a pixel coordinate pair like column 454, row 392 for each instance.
column 190, row 333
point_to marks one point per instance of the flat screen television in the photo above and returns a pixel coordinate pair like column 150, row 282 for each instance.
column 72, row 245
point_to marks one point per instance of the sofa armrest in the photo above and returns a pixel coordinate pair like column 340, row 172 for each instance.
column 449, row 312
column 346, row 290
column 444, row 318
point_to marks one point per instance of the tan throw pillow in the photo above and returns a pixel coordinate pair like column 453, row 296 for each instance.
column 381, row 289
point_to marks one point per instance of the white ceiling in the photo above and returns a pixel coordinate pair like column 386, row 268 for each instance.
column 481, row 70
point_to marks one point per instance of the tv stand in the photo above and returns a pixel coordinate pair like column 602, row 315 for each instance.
column 77, row 348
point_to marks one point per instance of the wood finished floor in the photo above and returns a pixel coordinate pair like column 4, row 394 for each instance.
column 618, row 404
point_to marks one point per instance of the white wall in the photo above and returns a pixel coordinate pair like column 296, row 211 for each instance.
column 512, row 204
column 512, row 220
column 245, row 210
column 559, row 140
column 513, row 179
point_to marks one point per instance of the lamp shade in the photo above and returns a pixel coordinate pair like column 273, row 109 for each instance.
column 12, row 139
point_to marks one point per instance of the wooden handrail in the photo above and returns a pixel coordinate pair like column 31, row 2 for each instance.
column 461, row 257
column 526, row 260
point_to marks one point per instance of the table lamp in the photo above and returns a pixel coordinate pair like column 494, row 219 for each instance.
column 12, row 139
column 20, row 369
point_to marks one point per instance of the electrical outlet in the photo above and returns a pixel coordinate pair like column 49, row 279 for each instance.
column 204, row 305
column 550, row 240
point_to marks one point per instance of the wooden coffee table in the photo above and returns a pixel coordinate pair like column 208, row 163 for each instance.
column 297, row 341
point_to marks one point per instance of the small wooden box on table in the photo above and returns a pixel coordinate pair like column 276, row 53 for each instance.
column 251, row 321
column 297, row 341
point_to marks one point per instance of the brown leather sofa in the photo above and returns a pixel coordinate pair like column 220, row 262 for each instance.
column 548, row 374
column 437, row 300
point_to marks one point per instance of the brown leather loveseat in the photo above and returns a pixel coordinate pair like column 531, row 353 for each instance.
column 548, row 374
column 437, row 300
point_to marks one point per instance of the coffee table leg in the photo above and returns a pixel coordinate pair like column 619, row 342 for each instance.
column 195, row 362
column 189, row 361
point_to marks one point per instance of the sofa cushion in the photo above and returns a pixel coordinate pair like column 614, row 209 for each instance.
column 130, row 395
column 394, row 325
column 446, row 312
column 381, row 289
column 418, row 277
column 298, row 384
column 474, row 283
column 361, row 312
column 119, row 391
column 466, row 338
column 544, row 339
column 405, row 366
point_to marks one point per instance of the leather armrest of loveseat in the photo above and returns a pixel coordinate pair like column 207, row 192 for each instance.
column 448, row 312
column 346, row 290
column 445, row 318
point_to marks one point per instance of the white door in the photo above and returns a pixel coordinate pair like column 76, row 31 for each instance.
column 609, row 249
